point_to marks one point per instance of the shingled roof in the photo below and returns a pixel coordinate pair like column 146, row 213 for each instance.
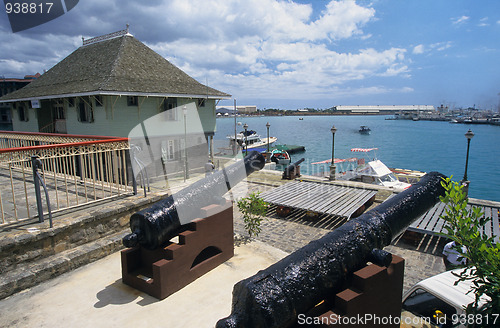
column 118, row 66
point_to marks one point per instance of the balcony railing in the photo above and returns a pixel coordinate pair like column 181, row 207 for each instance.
column 75, row 170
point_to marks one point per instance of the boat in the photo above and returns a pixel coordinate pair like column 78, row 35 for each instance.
column 280, row 157
column 363, row 129
column 251, row 140
column 373, row 171
column 376, row 172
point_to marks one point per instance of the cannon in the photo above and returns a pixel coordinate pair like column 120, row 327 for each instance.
column 275, row 296
column 158, row 223
column 292, row 170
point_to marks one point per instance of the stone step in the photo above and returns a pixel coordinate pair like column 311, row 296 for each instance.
column 29, row 274
column 30, row 241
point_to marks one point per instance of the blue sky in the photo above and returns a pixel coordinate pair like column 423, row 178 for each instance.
column 295, row 54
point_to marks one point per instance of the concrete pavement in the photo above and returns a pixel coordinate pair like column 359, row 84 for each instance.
column 94, row 296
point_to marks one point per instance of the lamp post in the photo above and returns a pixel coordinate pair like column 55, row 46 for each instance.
column 268, row 154
column 332, row 165
column 465, row 181
column 186, row 169
column 245, row 127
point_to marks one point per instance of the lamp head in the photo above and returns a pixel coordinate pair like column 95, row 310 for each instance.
column 469, row 135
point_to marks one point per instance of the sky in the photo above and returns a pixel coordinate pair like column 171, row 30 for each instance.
column 294, row 54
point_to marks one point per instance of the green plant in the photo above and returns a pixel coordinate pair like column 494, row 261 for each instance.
column 464, row 225
column 253, row 209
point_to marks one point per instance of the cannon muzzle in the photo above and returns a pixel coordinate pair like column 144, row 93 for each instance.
column 292, row 170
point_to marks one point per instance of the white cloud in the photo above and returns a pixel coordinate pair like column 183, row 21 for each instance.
column 459, row 20
column 441, row 46
column 263, row 48
column 483, row 22
column 419, row 49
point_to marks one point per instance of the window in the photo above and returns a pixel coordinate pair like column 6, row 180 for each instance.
column 85, row 110
column 168, row 151
column 425, row 305
column 22, row 112
column 98, row 101
column 58, row 112
column 71, row 102
column 132, row 100
column 170, row 107
column 201, row 102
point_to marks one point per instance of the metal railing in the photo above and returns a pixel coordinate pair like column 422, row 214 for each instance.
column 74, row 170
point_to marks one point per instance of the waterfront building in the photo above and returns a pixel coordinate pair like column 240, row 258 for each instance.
column 8, row 85
column 383, row 109
column 112, row 84
column 239, row 109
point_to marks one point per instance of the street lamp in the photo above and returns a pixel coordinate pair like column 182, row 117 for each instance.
column 268, row 155
column 245, row 127
column 469, row 136
column 186, row 169
column 332, row 165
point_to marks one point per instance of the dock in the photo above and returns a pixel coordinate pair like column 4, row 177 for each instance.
column 291, row 149
column 431, row 222
column 321, row 198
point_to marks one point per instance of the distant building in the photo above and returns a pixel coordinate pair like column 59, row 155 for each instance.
column 376, row 109
column 239, row 109
column 8, row 85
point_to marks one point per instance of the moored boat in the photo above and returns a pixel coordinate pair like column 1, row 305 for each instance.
column 251, row 140
column 280, row 157
column 363, row 129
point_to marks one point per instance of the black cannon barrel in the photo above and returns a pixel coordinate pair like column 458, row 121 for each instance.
column 275, row 296
column 294, row 165
column 160, row 222
column 291, row 167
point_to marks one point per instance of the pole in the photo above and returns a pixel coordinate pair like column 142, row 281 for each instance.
column 332, row 165
column 36, row 164
column 467, row 160
column 235, row 148
column 186, row 168
column 267, row 137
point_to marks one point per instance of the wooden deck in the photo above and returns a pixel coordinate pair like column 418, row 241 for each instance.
column 431, row 223
column 322, row 198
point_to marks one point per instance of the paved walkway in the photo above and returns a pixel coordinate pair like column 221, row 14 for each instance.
column 94, row 296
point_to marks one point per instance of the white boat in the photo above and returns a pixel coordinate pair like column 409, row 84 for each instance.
column 373, row 171
column 280, row 157
column 378, row 173
column 252, row 140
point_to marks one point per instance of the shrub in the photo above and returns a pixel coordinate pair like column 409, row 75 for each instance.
column 464, row 226
column 253, row 209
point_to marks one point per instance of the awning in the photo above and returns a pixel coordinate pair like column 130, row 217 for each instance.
column 337, row 160
column 363, row 150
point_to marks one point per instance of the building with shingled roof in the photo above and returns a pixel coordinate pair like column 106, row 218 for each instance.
column 114, row 85
column 107, row 86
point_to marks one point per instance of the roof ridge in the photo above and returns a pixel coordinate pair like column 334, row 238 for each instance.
column 112, row 71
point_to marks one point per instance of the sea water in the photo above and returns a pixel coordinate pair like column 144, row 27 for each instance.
column 417, row 145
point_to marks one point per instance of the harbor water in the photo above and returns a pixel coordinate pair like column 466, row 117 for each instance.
column 417, row 145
